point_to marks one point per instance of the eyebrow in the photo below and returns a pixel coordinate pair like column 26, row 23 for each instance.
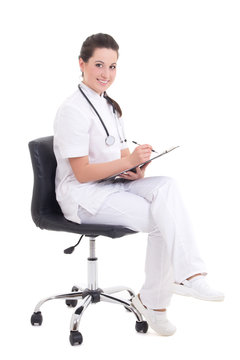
column 103, row 62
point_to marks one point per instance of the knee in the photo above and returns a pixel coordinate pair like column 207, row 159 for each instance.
column 167, row 181
column 171, row 185
column 162, row 184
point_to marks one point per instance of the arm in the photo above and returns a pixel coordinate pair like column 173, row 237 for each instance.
column 125, row 153
column 84, row 171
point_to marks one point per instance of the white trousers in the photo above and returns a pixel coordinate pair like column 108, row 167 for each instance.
column 153, row 205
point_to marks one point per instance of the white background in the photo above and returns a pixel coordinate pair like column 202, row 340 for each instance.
column 178, row 84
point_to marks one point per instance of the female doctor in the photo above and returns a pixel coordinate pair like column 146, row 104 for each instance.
column 90, row 145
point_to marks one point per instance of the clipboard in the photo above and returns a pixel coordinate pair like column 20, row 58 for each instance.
column 113, row 177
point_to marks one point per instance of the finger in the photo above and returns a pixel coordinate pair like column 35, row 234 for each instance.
column 124, row 175
column 129, row 175
column 146, row 151
column 146, row 146
column 145, row 154
column 145, row 165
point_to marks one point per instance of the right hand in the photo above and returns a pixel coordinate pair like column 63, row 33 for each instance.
column 140, row 154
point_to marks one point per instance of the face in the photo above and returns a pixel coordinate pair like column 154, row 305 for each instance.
column 100, row 70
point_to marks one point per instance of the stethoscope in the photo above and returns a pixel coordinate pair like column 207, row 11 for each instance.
column 110, row 140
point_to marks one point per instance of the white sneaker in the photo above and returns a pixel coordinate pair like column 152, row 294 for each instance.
column 199, row 288
column 156, row 319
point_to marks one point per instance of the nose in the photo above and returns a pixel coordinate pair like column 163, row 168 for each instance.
column 105, row 73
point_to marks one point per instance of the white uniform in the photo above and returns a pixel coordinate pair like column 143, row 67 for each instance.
column 79, row 132
column 152, row 204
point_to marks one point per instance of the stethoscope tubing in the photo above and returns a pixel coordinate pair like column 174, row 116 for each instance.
column 94, row 110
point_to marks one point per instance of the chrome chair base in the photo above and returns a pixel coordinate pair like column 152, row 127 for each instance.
column 82, row 298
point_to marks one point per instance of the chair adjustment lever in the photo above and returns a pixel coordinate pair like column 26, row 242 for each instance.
column 71, row 249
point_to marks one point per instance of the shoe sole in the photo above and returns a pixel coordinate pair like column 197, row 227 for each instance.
column 178, row 289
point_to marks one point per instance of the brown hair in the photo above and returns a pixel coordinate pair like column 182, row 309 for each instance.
column 93, row 42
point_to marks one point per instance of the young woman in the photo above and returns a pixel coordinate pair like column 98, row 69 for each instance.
column 90, row 145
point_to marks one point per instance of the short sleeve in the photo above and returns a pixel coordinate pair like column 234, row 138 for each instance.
column 71, row 132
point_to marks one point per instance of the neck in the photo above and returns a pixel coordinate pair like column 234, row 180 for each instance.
column 91, row 88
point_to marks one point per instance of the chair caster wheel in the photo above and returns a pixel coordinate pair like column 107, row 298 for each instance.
column 141, row 326
column 36, row 318
column 72, row 303
column 75, row 338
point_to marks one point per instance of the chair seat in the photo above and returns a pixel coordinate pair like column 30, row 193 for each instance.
column 57, row 222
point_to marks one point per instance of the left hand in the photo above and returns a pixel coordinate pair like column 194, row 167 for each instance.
column 139, row 174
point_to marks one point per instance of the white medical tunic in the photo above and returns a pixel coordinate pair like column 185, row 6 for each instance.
column 79, row 132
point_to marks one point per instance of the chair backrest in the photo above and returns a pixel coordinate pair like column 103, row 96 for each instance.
column 46, row 212
column 44, row 169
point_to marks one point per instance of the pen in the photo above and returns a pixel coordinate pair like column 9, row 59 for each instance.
column 139, row 144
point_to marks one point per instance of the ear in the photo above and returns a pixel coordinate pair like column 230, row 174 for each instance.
column 81, row 64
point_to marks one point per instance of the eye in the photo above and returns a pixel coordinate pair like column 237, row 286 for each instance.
column 99, row 65
column 112, row 67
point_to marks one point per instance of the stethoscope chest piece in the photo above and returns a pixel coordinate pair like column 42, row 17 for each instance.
column 110, row 140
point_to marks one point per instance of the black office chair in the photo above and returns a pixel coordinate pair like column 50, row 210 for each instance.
column 47, row 214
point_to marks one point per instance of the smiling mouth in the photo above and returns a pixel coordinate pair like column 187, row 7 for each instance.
column 104, row 82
